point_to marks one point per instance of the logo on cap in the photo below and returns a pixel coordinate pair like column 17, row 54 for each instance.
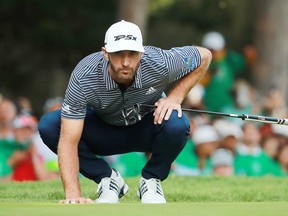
column 125, row 37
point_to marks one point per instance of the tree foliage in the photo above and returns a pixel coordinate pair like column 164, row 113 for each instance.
column 39, row 37
column 41, row 41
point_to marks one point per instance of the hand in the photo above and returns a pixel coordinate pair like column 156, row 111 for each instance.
column 78, row 200
column 164, row 108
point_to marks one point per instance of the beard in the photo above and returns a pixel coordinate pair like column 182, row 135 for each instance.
column 122, row 75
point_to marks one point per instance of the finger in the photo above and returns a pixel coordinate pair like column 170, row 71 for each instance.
column 179, row 110
column 157, row 113
column 163, row 113
column 90, row 201
column 85, row 200
column 168, row 114
column 68, row 201
column 81, row 200
column 158, row 117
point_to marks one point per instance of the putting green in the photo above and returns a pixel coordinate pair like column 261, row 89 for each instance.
column 125, row 209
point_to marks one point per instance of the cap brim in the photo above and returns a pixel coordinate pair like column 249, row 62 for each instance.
column 123, row 47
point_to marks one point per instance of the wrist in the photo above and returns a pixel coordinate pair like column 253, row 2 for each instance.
column 72, row 194
column 176, row 98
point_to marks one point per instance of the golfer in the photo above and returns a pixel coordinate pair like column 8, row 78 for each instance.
column 102, row 115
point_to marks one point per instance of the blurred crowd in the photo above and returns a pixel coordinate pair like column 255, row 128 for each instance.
column 229, row 146
column 216, row 145
column 23, row 155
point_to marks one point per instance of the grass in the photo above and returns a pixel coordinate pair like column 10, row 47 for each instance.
column 185, row 196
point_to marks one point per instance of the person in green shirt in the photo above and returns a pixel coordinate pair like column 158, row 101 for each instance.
column 7, row 148
column 186, row 164
column 250, row 159
column 226, row 65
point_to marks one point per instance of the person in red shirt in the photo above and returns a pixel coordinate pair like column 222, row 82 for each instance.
column 27, row 163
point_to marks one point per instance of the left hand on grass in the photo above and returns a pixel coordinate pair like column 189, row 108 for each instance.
column 79, row 200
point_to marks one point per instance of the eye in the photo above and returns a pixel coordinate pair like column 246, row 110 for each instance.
column 133, row 53
column 118, row 53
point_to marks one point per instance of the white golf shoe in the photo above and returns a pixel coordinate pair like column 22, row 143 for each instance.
column 150, row 191
column 111, row 189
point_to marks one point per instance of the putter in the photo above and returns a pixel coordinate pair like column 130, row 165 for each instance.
column 244, row 117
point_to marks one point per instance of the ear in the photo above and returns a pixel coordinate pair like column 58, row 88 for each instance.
column 105, row 53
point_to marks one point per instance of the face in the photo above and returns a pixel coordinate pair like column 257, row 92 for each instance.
column 283, row 156
column 223, row 170
column 251, row 134
column 123, row 65
column 7, row 112
column 204, row 150
column 23, row 135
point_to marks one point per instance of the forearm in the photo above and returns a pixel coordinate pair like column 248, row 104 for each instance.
column 186, row 83
column 69, row 169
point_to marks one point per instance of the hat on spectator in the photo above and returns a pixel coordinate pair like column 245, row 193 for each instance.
column 52, row 104
column 280, row 129
column 195, row 95
column 204, row 134
column 227, row 128
column 213, row 41
column 25, row 121
column 123, row 36
column 222, row 157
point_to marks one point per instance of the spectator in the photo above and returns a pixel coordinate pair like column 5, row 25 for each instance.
column 206, row 141
column 222, row 161
column 27, row 165
column 53, row 104
column 251, row 160
column 194, row 100
column 243, row 101
column 8, row 112
column 24, row 106
column 282, row 158
column 7, row 145
column 7, row 148
column 230, row 134
column 226, row 65
column 274, row 103
column 186, row 164
column 270, row 145
column 49, row 157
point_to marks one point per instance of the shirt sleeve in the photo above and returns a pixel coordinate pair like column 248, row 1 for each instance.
column 74, row 103
column 181, row 61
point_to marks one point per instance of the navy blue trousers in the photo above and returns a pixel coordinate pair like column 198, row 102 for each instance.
column 164, row 141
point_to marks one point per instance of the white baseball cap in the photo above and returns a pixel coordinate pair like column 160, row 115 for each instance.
column 123, row 36
column 22, row 121
column 205, row 134
column 214, row 41
column 222, row 157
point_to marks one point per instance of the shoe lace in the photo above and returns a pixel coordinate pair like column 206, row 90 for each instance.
column 154, row 185
column 108, row 184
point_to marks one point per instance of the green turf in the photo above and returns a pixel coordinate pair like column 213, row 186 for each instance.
column 124, row 209
column 199, row 196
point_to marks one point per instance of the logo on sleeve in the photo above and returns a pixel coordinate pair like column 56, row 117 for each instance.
column 66, row 108
column 189, row 63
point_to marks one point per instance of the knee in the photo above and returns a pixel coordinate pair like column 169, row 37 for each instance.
column 176, row 126
column 49, row 124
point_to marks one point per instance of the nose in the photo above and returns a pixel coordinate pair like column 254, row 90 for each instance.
column 125, row 60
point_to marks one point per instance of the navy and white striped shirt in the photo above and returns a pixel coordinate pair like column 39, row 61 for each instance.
column 91, row 86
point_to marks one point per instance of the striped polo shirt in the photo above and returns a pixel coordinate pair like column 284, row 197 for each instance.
column 91, row 87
